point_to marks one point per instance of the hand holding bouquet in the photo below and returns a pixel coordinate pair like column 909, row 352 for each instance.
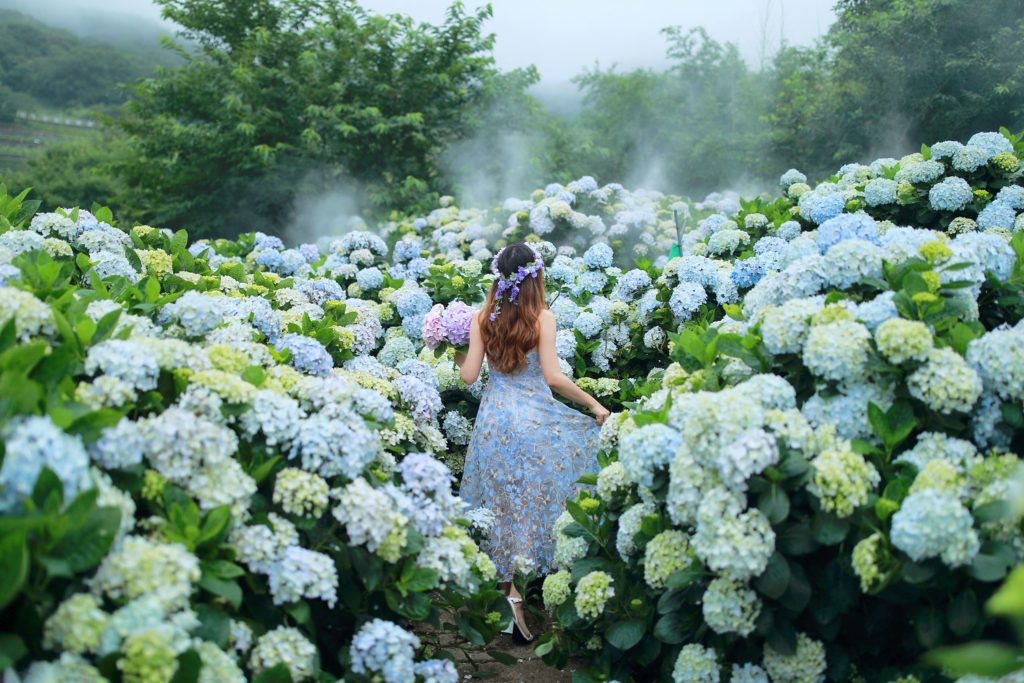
column 445, row 326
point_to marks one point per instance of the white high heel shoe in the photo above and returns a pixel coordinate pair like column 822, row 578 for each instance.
column 513, row 627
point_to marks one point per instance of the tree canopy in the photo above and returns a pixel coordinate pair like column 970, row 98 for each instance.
column 285, row 98
column 892, row 71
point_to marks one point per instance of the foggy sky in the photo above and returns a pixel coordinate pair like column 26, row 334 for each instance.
column 561, row 37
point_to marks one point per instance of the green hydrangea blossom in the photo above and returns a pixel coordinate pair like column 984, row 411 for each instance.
column 592, row 593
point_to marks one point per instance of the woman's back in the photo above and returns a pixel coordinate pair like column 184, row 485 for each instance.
column 528, row 449
column 532, row 370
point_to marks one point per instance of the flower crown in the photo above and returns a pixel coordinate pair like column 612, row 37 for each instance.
column 509, row 284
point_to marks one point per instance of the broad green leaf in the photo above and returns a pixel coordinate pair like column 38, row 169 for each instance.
column 468, row 631
column 683, row 578
column 798, row 591
column 902, row 422
column 48, row 492
column 214, row 625
column 795, row 538
column 915, row 573
column 1013, row 415
column 566, row 614
column 14, row 562
column 105, row 326
column 963, row 613
column 574, row 530
column 775, row 578
column 263, row 470
column 152, row 289
column 215, row 525
column 774, row 503
column 89, row 543
column 103, row 214
column 1008, row 601
column 12, row 648
column 576, row 512
column 692, row 344
column 793, row 465
column 995, row 511
column 987, row 568
column 981, row 658
column 222, row 569
column 782, row 637
column 300, row 612
column 929, row 626
column 676, row 627
column 276, row 674
column 625, row 634
column 188, row 668
column 179, row 241
column 420, row 579
column 670, row 601
column 734, row 311
column 254, row 375
column 587, row 565
column 24, row 357
column 829, row 529
column 227, row 589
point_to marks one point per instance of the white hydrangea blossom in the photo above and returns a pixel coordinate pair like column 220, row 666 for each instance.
column 730, row 607
column 140, row 566
column 806, row 665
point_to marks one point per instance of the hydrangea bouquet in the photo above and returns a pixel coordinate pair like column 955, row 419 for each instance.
column 448, row 326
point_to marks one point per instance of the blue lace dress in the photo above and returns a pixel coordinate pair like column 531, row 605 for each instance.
column 527, row 451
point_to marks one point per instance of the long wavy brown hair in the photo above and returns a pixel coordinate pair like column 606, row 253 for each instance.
column 514, row 332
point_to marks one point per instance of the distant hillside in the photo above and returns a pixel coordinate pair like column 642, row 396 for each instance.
column 125, row 31
column 53, row 68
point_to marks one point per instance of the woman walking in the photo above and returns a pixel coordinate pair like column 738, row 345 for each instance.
column 527, row 449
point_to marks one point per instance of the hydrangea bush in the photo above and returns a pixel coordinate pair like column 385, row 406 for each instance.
column 207, row 475
column 832, row 453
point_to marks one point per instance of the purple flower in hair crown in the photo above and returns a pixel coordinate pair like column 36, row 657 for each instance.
column 508, row 285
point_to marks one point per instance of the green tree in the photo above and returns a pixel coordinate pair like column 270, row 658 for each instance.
column 695, row 125
column 892, row 72
column 800, row 127
column 288, row 98
column 78, row 173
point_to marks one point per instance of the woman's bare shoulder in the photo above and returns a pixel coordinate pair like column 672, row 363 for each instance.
column 546, row 315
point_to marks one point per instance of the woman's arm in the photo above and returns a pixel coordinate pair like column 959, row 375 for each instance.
column 470, row 362
column 553, row 375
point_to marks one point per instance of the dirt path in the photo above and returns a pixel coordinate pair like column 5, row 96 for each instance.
column 528, row 668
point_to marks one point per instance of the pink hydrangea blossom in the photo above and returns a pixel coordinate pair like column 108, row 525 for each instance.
column 433, row 329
